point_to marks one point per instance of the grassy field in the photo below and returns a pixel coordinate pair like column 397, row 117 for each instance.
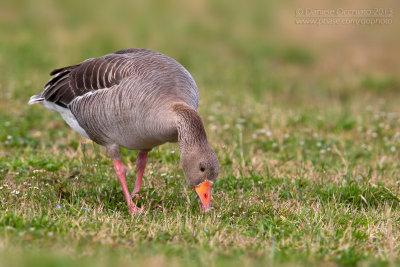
column 305, row 121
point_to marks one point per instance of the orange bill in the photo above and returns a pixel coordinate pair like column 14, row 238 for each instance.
column 204, row 192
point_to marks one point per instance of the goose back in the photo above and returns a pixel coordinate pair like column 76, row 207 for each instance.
column 125, row 97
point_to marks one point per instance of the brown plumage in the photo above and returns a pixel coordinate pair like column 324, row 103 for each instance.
column 138, row 99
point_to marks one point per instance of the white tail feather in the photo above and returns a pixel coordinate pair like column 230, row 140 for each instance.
column 35, row 99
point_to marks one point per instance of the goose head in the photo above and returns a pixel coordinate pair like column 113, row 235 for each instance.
column 201, row 167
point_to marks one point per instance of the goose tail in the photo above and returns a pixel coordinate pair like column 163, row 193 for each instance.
column 35, row 99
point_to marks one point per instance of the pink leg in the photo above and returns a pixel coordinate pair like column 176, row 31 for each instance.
column 120, row 170
column 140, row 165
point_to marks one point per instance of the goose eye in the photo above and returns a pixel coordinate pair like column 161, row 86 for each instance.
column 202, row 169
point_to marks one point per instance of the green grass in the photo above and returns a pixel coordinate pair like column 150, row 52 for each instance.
column 307, row 134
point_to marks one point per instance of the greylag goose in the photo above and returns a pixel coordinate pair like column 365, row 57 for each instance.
column 137, row 99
